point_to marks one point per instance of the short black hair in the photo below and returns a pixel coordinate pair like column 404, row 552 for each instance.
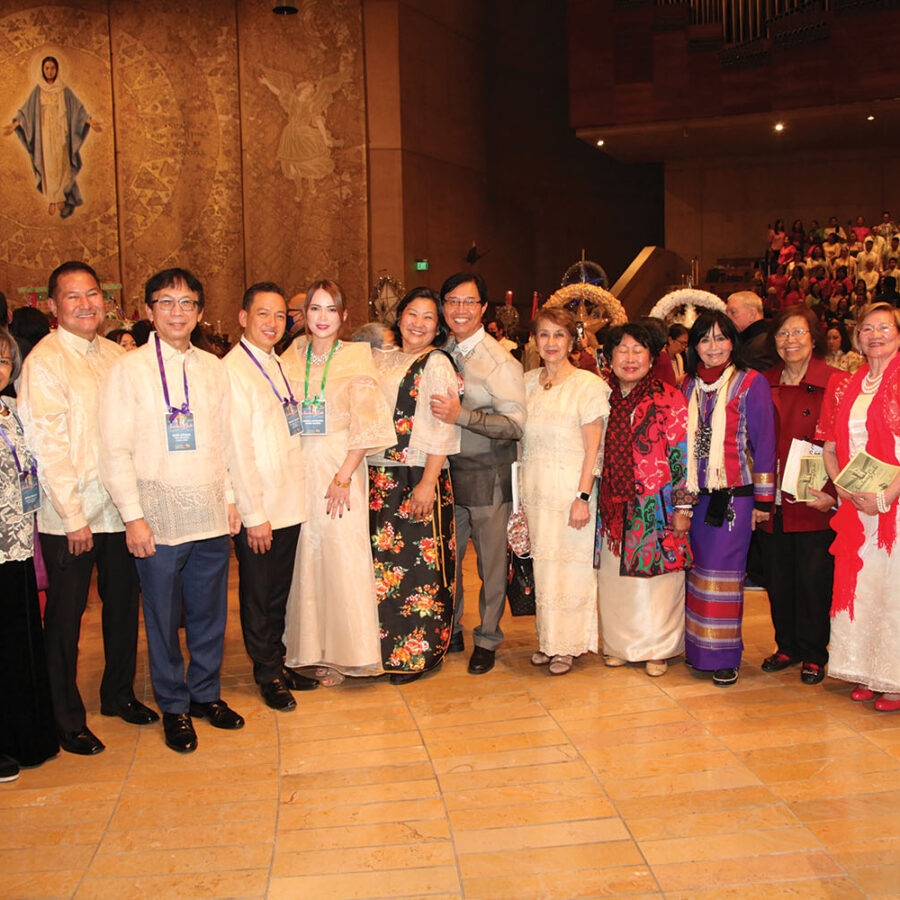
column 28, row 326
column 640, row 332
column 140, row 331
column 677, row 330
column 261, row 287
column 702, row 327
column 169, row 278
column 72, row 265
column 454, row 281
column 440, row 336
column 4, row 310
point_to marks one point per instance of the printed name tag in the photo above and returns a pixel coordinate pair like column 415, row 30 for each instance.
column 31, row 493
column 314, row 420
column 292, row 416
column 180, row 432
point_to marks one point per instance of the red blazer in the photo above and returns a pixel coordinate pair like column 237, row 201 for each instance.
column 797, row 410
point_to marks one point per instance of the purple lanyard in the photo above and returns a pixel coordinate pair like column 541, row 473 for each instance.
column 12, row 449
column 174, row 411
column 283, row 400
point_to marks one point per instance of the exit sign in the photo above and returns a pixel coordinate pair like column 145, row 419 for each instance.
column 421, row 265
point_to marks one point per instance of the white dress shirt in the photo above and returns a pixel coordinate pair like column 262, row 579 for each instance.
column 58, row 403
column 267, row 461
column 184, row 494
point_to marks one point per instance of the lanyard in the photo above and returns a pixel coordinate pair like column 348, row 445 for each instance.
column 320, row 397
column 174, row 411
column 283, row 400
column 12, row 449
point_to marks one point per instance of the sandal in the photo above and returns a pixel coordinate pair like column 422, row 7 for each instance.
column 539, row 659
column 613, row 661
column 656, row 667
column 328, row 677
column 560, row 665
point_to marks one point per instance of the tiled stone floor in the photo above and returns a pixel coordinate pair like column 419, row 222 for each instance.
column 509, row 785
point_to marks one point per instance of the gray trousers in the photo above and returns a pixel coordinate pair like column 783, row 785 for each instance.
column 486, row 525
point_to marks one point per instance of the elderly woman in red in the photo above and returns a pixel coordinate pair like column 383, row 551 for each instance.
column 862, row 412
column 795, row 542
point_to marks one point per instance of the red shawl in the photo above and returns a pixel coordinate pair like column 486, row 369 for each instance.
column 882, row 425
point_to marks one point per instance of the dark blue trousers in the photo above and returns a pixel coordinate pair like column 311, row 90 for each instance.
column 193, row 575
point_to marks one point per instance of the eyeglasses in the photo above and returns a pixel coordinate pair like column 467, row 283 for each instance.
column 465, row 303
column 885, row 328
column 167, row 304
column 796, row 333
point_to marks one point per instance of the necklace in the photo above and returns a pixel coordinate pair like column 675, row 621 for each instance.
column 321, row 360
column 870, row 385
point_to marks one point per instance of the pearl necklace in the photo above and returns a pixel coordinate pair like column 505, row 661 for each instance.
column 321, row 360
column 870, row 385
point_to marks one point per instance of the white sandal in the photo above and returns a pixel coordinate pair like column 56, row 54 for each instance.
column 560, row 665
column 328, row 677
column 539, row 659
column 613, row 661
column 655, row 667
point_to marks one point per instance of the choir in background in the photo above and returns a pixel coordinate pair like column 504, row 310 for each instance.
column 350, row 475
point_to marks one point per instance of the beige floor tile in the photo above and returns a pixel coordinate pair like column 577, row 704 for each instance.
column 293, row 816
column 183, row 837
column 744, row 843
column 359, row 776
column 561, row 771
column 777, row 867
column 530, row 740
column 38, row 859
column 879, row 880
column 17, row 836
column 837, row 888
column 659, row 765
column 210, row 885
column 179, row 861
column 504, row 759
column 627, row 880
column 261, row 813
column 514, row 795
column 872, row 763
column 711, row 823
column 534, row 861
column 552, row 835
column 417, row 831
column 862, row 806
column 295, row 761
column 436, row 737
column 40, row 885
column 358, row 885
column 533, row 813
column 363, row 859
column 683, row 783
column 699, row 801
column 311, row 798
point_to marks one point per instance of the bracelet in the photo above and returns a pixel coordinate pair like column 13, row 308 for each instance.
column 880, row 503
column 343, row 484
column 687, row 511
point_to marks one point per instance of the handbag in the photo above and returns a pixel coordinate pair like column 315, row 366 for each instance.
column 517, row 527
column 520, row 585
column 520, row 568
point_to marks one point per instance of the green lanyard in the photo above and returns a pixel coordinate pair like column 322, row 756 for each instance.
column 320, row 397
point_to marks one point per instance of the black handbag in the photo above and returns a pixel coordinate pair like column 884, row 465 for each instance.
column 520, row 585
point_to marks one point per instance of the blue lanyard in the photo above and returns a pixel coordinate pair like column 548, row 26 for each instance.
column 285, row 401
column 12, row 449
column 174, row 411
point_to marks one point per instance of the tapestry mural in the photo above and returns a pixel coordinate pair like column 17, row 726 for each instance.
column 138, row 136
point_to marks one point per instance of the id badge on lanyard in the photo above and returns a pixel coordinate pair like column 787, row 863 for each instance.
column 289, row 405
column 179, row 421
column 28, row 479
column 315, row 418
column 292, row 417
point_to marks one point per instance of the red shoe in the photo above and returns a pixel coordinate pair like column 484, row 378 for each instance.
column 887, row 705
column 860, row 694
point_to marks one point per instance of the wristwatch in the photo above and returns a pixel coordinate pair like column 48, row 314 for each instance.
column 583, row 495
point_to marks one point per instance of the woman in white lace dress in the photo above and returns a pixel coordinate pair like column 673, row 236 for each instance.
column 862, row 412
column 567, row 409
column 331, row 620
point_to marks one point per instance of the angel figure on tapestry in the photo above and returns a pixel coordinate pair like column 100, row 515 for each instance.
column 52, row 125
column 306, row 148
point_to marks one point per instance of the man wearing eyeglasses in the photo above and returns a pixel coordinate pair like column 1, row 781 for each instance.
column 745, row 309
column 164, row 458
column 491, row 416
column 78, row 523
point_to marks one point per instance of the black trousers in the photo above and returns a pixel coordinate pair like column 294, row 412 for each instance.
column 799, row 572
column 69, row 582
column 264, row 582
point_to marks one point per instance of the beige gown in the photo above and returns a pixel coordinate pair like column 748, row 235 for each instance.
column 332, row 616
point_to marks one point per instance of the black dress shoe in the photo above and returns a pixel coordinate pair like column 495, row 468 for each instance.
column 180, row 734
column 482, row 661
column 725, row 677
column 277, row 696
column 778, row 661
column 133, row 712
column 297, row 682
column 404, row 677
column 9, row 768
column 456, row 645
column 218, row 713
column 84, row 742
column 810, row 673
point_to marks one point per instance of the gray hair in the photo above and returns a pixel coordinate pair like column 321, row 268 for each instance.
column 373, row 334
column 8, row 345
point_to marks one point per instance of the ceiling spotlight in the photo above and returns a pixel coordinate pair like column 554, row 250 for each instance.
column 600, row 142
column 870, row 118
column 285, row 9
column 779, row 126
